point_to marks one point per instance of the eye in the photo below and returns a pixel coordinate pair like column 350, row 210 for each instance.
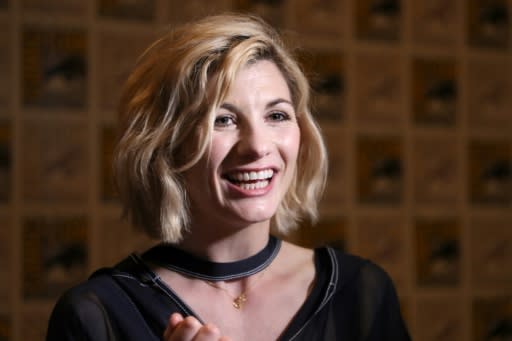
column 224, row 121
column 277, row 116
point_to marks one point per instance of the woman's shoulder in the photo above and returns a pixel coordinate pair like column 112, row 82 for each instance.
column 350, row 269
column 85, row 296
column 373, row 295
column 89, row 297
column 343, row 268
column 89, row 307
column 332, row 259
column 80, row 308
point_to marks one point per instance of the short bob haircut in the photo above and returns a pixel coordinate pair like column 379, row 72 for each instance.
column 168, row 105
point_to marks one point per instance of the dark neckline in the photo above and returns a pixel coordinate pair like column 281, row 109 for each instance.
column 174, row 259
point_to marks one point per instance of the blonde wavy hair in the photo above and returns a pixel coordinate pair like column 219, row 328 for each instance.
column 168, row 105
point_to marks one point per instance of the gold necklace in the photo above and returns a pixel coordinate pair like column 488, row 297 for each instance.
column 238, row 301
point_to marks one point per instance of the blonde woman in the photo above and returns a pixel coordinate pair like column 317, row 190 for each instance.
column 218, row 147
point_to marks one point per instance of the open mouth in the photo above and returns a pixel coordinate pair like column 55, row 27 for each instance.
column 251, row 180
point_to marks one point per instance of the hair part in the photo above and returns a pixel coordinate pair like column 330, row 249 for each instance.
column 169, row 102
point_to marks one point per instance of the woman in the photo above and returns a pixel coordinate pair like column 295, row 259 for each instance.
column 218, row 147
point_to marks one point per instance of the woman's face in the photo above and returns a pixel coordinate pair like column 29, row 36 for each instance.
column 254, row 148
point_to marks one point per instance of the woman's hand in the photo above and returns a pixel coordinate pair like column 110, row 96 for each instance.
column 190, row 329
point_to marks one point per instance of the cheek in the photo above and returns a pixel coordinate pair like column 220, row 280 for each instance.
column 290, row 144
column 220, row 149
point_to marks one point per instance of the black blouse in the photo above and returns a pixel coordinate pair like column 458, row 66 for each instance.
column 352, row 299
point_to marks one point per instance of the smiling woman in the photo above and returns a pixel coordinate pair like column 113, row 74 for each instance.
column 217, row 147
column 176, row 97
column 252, row 157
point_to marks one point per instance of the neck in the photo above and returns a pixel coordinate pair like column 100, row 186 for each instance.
column 181, row 261
column 218, row 245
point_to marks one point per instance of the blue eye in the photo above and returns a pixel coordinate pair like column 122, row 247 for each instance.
column 278, row 116
column 224, row 121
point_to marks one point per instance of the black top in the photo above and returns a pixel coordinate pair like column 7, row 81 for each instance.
column 352, row 299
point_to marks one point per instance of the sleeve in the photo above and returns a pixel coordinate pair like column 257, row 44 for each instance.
column 380, row 314
column 79, row 316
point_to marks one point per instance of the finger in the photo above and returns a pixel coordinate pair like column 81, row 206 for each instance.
column 208, row 332
column 185, row 330
column 174, row 320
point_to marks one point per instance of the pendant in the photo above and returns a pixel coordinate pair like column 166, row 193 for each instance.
column 239, row 301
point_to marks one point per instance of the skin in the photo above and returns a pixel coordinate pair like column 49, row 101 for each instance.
column 189, row 328
column 255, row 129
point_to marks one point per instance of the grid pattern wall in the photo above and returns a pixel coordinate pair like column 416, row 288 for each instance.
column 414, row 99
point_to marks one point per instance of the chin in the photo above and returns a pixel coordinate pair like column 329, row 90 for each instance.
column 250, row 216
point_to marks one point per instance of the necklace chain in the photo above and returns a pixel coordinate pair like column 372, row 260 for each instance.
column 238, row 301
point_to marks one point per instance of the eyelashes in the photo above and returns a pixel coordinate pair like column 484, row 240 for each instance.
column 224, row 121
column 279, row 116
column 228, row 120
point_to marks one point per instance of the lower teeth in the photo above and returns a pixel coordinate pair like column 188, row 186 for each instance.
column 254, row 185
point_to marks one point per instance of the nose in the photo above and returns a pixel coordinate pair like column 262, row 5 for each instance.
column 255, row 141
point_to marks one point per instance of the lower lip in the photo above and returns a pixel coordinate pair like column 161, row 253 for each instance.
column 239, row 191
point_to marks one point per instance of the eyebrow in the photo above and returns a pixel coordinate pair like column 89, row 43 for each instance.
column 278, row 101
column 233, row 108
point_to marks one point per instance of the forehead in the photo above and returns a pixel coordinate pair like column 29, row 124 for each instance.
column 259, row 78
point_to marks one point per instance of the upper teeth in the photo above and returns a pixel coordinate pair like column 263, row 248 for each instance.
column 247, row 176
